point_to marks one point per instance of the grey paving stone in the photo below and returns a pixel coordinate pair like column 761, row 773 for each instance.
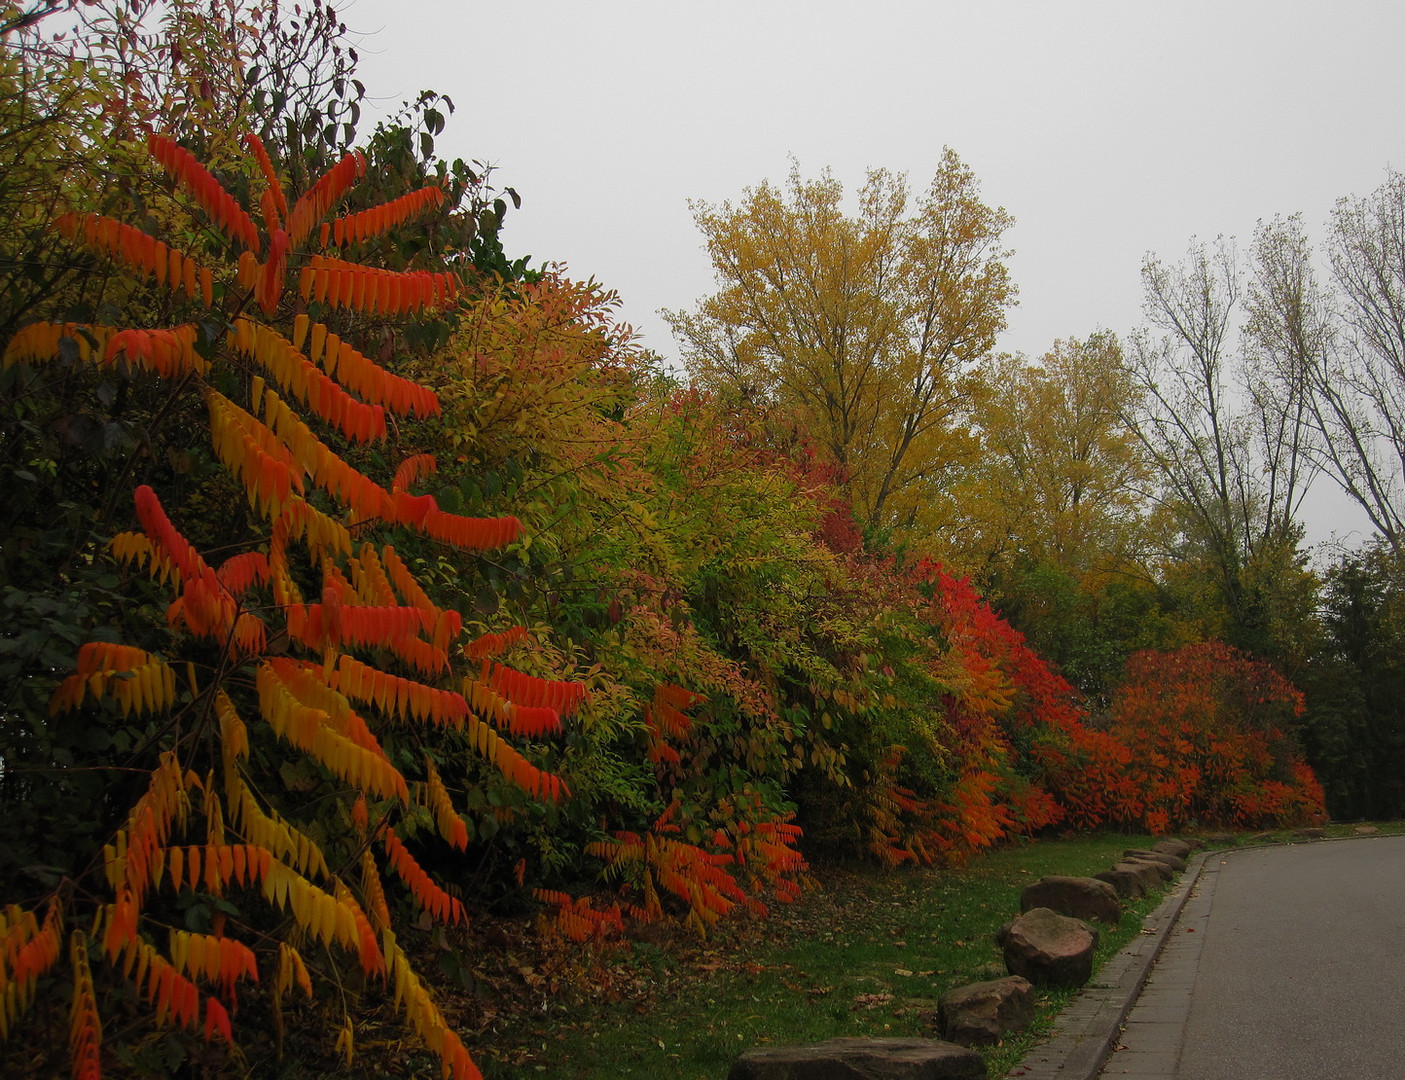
column 1134, row 1062
column 1163, row 1036
column 1159, row 1013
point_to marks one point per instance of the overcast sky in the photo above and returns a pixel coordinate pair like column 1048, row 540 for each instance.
column 1107, row 129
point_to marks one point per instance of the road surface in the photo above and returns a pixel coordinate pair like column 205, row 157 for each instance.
column 1287, row 963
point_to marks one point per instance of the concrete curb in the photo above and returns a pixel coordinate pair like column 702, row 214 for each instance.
column 1088, row 1028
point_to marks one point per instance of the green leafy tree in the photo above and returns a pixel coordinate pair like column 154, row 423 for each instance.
column 1354, row 733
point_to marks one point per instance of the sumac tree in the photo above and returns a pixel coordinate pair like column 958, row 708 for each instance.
column 1211, row 731
column 285, row 726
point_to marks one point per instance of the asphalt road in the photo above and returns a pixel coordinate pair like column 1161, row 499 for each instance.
column 1299, row 971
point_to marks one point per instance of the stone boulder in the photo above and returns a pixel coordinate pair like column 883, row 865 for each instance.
column 1162, row 870
column 1310, row 834
column 1179, row 848
column 982, row 1013
column 1049, row 949
column 861, row 1059
column 1079, row 897
column 1175, row 862
column 1126, row 880
column 1132, row 879
column 1365, row 830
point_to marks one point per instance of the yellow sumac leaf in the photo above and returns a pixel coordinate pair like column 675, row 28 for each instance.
column 344, row 1043
column 85, row 1028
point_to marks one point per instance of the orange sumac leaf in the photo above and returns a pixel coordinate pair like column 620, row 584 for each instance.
column 381, row 219
column 275, row 188
column 240, row 573
column 368, row 380
column 578, row 919
column 487, row 646
column 27, row 951
column 132, row 247
column 564, row 697
column 373, row 291
column 217, row 1021
column 217, row 203
column 429, row 895
column 398, row 696
column 412, row 470
column 323, row 195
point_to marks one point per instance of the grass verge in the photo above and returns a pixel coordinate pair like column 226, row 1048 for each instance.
column 868, row 954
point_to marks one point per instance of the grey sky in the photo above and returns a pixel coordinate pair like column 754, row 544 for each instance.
column 1107, row 129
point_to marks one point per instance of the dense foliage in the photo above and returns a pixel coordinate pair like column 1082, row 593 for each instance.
column 358, row 577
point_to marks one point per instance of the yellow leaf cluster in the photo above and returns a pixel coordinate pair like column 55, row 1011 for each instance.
column 361, row 763
column 321, row 914
column 425, row 1016
column 218, row 960
column 137, row 681
column 302, row 379
column 446, row 818
column 857, row 330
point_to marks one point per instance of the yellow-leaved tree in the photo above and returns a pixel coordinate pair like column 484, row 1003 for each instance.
column 1062, row 480
column 859, row 329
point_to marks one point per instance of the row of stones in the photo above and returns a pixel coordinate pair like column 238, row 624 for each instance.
column 1050, row 944
column 1053, row 941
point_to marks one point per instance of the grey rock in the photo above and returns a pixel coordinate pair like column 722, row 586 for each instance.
column 1079, row 897
column 980, row 1014
column 861, row 1059
column 1365, row 830
column 1179, row 848
column 1310, row 834
column 1129, row 881
column 1050, row 949
column 1149, row 876
column 1175, row 862
column 1163, row 870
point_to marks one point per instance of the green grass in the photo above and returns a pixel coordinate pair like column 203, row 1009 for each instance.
column 868, row 954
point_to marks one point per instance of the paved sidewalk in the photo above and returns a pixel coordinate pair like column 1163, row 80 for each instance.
column 1150, row 1044
column 1278, row 962
column 1295, row 967
column 1090, row 1027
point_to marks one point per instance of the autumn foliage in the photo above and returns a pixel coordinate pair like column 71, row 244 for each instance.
column 1198, row 737
column 1209, row 733
column 447, row 579
column 291, row 634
